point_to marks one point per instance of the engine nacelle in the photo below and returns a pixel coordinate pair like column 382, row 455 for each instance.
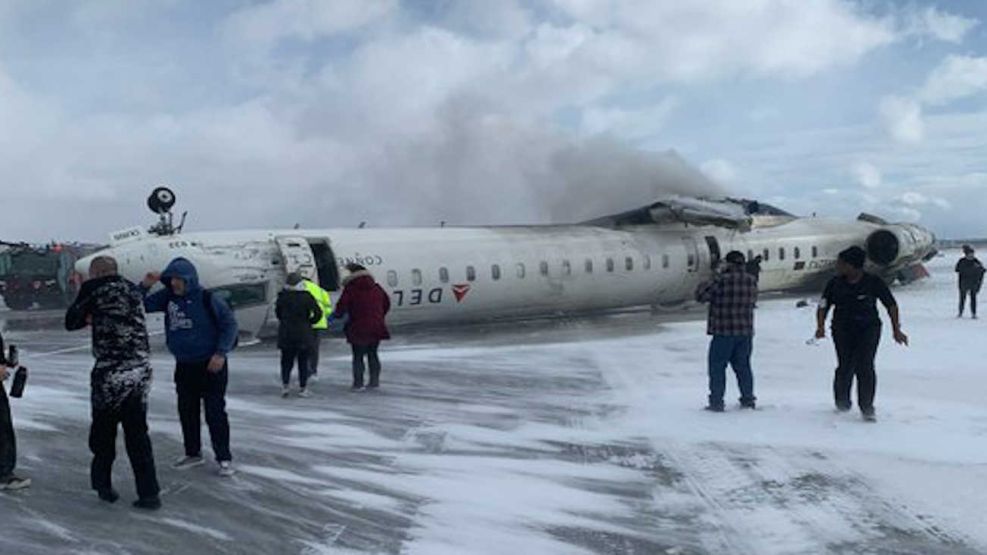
column 899, row 245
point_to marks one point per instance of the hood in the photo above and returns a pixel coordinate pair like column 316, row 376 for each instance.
column 300, row 286
column 359, row 280
column 181, row 268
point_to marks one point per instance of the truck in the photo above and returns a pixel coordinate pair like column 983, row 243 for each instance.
column 40, row 276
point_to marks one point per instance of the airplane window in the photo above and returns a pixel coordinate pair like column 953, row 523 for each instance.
column 767, row 255
column 416, row 277
column 815, row 252
column 798, row 253
column 543, row 267
column 664, row 261
column 566, row 268
column 629, row 263
column 392, row 278
column 609, row 264
column 589, row 266
column 781, row 253
column 647, row 262
column 495, row 272
column 470, row 273
column 242, row 295
column 520, row 271
column 444, row 275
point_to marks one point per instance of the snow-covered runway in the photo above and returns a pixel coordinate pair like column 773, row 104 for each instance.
column 582, row 436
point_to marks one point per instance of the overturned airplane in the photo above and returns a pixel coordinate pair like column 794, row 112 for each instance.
column 655, row 255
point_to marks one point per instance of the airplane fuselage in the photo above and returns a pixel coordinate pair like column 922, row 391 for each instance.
column 454, row 274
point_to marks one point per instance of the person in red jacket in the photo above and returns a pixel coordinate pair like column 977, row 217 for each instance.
column 366, row 304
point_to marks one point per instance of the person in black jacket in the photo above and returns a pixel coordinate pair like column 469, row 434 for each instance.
column 8, row 441
column 971, row 277
column 856, row 328
column 120, row 380
column 297, row 312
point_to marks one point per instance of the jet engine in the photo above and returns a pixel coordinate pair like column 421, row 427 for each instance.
column 900, row 245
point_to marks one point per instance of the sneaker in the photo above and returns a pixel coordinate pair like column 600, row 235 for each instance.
column 714, row 408
column 186, row 462
column 303, row 392
column 108, row 495
column 313, row 378
column 841, row 407
column 285, row 391
column 373, row 386
column 148, row 503
column 869, row 415
column 356, row 388
column 13, row 483
column 226, row 469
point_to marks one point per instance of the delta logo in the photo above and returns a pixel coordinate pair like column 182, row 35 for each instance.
column 460, row 290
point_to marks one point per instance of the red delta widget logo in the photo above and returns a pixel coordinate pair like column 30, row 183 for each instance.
column 460, row 290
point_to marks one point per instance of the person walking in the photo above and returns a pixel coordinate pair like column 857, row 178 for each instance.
column 754, row 268
column 971, row 276
column 297, row 311
column 856, row 328
column 120, row 380
column 201, row 331
column 8, row 441
column 324, row 300
column 367, row 304
column 731, row 296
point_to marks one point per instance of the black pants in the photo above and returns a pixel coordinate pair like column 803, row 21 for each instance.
column 972, row 292
column 856, row 347
column 132, row 414
column 196, row 387
column 8, row 443
column 288, row 358
column 370, row 353
column 313, row 356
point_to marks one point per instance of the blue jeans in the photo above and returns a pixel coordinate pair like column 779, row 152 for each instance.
column 736, row 351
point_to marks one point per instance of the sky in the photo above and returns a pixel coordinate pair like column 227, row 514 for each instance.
column 328, row 113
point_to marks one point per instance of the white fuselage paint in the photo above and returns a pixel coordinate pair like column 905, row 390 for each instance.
column 501, row 272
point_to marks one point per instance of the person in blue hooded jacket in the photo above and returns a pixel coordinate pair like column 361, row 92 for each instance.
column 201, row 331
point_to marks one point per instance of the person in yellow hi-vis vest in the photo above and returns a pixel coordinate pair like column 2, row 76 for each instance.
column 321, row 327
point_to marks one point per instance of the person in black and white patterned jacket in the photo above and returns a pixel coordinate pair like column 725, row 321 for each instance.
column 121, row 378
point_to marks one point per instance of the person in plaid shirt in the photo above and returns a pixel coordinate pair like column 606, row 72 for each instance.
column 731, row 297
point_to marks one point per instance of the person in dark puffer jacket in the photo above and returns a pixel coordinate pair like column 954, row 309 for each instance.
column 297, row 311
column 366, row 304
column 121, row 378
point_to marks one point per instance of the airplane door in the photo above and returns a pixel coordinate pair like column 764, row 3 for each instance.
column 692, row 254
column 298, row 257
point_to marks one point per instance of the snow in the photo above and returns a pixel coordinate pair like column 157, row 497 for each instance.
column 580, row 436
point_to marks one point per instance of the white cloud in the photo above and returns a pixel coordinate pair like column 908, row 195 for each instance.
column 956, row 77
column 938, row 24
column 267, row 23
column 702, row 40
column 867, row 175
column 902, row 118
column 912, row 198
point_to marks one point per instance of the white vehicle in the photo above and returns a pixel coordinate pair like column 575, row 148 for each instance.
column 655, row 255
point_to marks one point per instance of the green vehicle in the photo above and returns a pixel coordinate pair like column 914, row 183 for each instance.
column 39, row 276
